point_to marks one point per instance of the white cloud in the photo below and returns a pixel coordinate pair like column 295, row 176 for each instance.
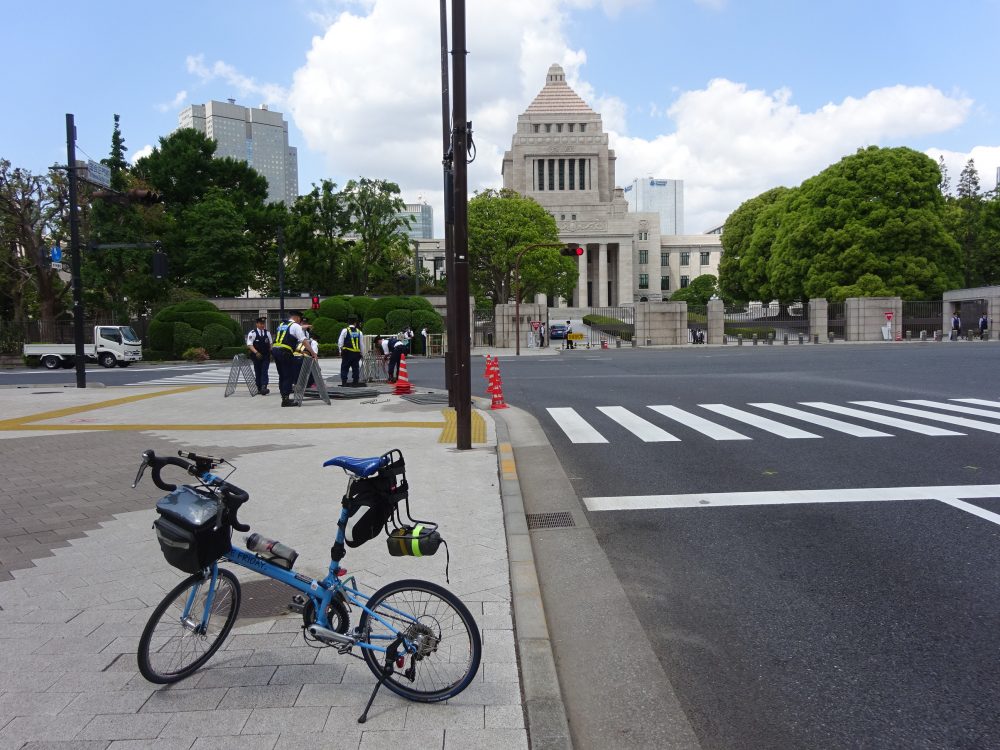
column 368, row 99
column 270, row 93
column 175, row 103
column 987, row 160
column 144, row 151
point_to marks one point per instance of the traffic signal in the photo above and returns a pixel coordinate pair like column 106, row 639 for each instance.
column 143, row 197
column 159, row 265
column 572, row 249
column 315, row 302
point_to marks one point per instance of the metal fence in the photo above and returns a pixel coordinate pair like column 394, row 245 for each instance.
column 611, row 324
column 771, row 320
column 836, row 319
column 697, row 323
column 484, row 327
column 921, row 316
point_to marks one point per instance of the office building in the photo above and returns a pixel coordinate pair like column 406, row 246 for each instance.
column 421, row 218
column 258, row 136
column 665, row 197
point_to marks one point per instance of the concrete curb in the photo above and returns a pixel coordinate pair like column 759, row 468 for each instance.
column 548, row 727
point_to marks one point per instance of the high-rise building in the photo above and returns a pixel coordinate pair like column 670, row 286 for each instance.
column 257, row 136
column 666, row 197
column 421, row 218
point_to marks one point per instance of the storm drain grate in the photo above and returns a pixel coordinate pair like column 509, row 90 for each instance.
column 264, row 598
column 549, row 520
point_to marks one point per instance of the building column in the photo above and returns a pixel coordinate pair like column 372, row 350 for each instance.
column 624, row 271
column 602, row 276
column 581, row 284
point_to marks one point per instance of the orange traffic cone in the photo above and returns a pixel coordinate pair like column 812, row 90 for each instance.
column 403, row 385
column 496, row 388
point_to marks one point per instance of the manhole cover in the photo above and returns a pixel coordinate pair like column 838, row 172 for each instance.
column 265, row 598
column 549, row 520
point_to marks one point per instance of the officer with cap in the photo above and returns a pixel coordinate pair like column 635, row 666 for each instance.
column 290, row 335
column 259, row 342
column 352, row 349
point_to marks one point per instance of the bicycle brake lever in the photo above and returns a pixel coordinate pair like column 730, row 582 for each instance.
column 138, row 475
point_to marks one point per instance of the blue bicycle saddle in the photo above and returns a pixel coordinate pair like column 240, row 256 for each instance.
column 362, row 467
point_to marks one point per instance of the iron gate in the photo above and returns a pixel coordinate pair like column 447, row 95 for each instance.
column 610, row 324
column 836, row 319
column 764, row 321
column 484, row 327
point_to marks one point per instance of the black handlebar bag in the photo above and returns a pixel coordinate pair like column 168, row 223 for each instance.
column 371, row 502
column 186, row 530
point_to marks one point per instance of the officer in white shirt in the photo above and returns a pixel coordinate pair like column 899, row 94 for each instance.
column 259, row 342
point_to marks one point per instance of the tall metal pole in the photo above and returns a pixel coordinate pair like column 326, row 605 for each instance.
column 463, row 380
column 416, row 268
column 281, row 271
column 517, row 303
column 449, row 210
column 74, row 249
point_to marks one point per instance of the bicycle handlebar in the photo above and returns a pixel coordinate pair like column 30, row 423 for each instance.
column 232, row 496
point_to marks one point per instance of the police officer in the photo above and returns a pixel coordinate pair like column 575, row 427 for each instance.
column 352, row 349
column 290, row 335
column 259, row 343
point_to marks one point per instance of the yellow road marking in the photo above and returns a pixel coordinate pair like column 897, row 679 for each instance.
column 221, row 427
column 70, row 410
column 507, row 466
column 450, row 432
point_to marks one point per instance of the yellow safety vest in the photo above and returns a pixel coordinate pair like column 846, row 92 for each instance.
column 352, row 342
column 279, row 340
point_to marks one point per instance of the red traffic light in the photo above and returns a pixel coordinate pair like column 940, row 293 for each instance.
column 315, row 302
column 572, row 250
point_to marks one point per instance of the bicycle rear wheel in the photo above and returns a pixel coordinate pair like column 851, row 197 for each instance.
column 449, row 647
column 172, row 646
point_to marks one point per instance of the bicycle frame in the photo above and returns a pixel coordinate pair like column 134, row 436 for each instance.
column 320, row 592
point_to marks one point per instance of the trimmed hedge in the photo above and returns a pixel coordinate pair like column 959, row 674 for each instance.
column 180, row 327
column 375, row 326
column 327, row 330
column 228, row 352
column 185, row 337
column 328, row 350
column 748, row 332
column 361, row 306
column 335, row 308
column 398, row 319
column 215, row 337
column 155, row 355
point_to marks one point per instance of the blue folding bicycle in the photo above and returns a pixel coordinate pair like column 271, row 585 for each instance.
column 417, row 637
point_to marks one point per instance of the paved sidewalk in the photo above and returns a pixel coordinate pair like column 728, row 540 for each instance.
column 83, row 571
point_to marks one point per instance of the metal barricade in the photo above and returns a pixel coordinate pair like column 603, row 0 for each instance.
column 301, row 390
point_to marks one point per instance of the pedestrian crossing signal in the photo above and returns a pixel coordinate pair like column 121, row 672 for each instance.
column 315, row 302
column 573, row 250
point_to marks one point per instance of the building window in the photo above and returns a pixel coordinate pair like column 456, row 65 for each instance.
column 570, row 126
column 664, row 283
column 562, row 174
column 704, row 259
column 582, row 174
column 534, row 128
column 583, row 127
column 685, row 259
column 559, row 127
column 572, row 174
column 643, row 257
column 552, row 174
column 571, row 185
column 643, row 235
column 684, row 282
column 664, row 259
column 644, row 281
column 541, row 174
column 562, row 217
column 548, row 128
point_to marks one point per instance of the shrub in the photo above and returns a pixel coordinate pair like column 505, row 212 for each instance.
column 215, row 337
column 161, row 335
column 375, row 326
column 361, row 306
column 185, row 337
column 195, row 354
column 420, row 303
column 228, row 352
column 174, row 313
column 328, row 350
column 428, row 319
column 335, row 308
column 397, row 320
column 384, row 305
column 155, row 355
column 327, row 330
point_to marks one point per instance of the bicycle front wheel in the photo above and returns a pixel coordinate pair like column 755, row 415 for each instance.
column 438, row 624
column 174, row 645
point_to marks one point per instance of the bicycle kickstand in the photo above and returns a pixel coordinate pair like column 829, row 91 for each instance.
column 387, row 672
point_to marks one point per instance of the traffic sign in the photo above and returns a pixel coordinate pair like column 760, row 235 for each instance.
column 888, row 316
column 535, row 325
column 98, row 173
column 56, row 254
column 56, row 266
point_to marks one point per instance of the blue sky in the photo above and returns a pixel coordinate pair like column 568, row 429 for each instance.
column 732, row 96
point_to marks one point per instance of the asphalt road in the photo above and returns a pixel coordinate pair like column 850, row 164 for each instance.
column 844, row 619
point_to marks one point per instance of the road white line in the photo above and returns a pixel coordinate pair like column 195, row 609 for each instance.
column 954, row 407
column 790, row 497
column 646, row 431
column 577, row 429
column 972, row 424
column 711, row 429
column 820, row 421
column 980, row 401
column 763, row 423
column 880, row 419
column 973, row 509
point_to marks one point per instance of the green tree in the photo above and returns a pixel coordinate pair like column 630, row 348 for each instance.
column 218, row 254
column 876, row 212
column 381, row 250
column 314, row 234
column 742, row 272
column 967, row 223
column 116, row 161
column 501, row 224
column 699, row 291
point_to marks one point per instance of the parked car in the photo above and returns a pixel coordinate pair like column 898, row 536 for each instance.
column 557, row 331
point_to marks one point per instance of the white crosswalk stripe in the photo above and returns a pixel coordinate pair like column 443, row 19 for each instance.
column 901, row 424
column 972, row 424
column 820, row 421
column 705, row 427
column 214, row 376
column 578, row 428
column 768, row 425
column 645, row 430
column 980, row 401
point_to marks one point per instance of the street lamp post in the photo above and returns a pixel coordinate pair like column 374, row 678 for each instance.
column 281, row 271
column 517, row 284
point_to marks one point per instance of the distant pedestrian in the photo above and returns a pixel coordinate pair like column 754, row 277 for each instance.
column 396, row 348
column 352, row 349
column 983, row 325
column 956, row 327
column 541, row 335
column 423, row 334
column 569, row 342
column 259, row 342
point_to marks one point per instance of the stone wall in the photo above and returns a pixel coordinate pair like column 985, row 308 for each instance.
column 865, row 317
column 660, row 323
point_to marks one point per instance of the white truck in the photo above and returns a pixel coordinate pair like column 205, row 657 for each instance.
column 110, row 346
